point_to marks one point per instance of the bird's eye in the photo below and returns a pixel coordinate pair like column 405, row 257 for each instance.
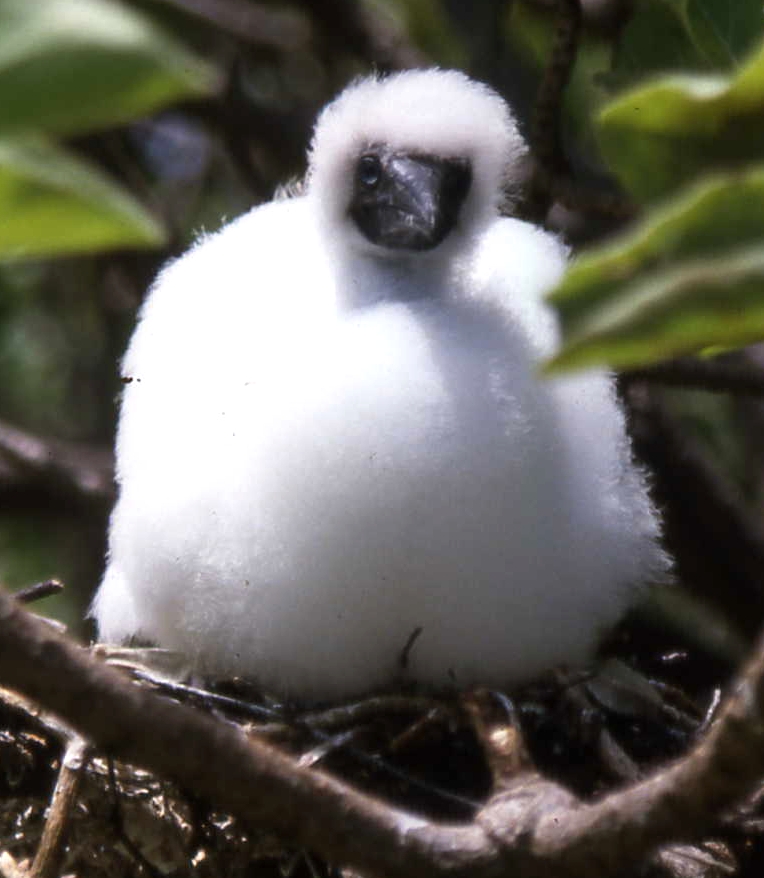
column 369, row 171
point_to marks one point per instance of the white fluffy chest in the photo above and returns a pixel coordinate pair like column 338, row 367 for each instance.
column 304, row 484
column 382, row 413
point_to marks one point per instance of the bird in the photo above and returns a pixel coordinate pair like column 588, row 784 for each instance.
column 337, row 462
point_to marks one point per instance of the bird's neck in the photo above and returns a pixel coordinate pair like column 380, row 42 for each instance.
column 366, row 279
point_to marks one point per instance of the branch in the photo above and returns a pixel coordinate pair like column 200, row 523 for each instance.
column 365, row 31
column 38, row 591
column 281, row 30
column 546, row 135
column 553, row 179
column 531, row 827
column 216, row 760
column 606, row 17
column 49, row 856
column 54, row 465
column 719, row 375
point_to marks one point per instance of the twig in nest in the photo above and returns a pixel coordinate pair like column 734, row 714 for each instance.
column 47, row 861
column 119, row 825
column 9, row 868
column 368, row 709
column 712, row 859
column 317, row 727
column 322, row 750
column 208, row 700
column 38, row 591
column 498, row 729
column 533, row 827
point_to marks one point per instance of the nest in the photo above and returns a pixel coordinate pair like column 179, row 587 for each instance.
column 68, row 810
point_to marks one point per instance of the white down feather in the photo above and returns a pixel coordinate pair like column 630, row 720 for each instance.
column 325, row 446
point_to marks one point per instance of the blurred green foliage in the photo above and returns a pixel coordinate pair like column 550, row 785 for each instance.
column 662, row 135
column 690, row 276
column 686, row 35
column 51, row 203
column 69, row 67
column 65, row 69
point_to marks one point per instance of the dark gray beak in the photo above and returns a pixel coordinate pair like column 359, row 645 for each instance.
column 408, row 202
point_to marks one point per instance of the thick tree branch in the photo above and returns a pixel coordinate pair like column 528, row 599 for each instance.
column 217, row 761
column 532, row 827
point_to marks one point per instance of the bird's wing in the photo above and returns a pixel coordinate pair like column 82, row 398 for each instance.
column 517, row 263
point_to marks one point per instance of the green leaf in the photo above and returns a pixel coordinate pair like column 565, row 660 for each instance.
column 52, row 203
column 691, row 276
column 722, row 33
column 678, row 311
column 663, row 134
column 69, row 67
column 665, row 35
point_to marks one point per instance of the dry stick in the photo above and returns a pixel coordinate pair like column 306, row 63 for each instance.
column 281, row 723
column 38, row 591
column 534, row 827
column 50, row 853
column 9, row 868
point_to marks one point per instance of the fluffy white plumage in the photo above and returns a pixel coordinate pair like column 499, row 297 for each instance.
column 327, row 444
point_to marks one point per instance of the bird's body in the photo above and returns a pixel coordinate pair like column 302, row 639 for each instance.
column 331, row 439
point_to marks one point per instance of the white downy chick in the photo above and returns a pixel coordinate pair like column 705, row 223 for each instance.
column 334, row 433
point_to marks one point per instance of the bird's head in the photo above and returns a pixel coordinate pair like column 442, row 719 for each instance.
column 412, row 162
